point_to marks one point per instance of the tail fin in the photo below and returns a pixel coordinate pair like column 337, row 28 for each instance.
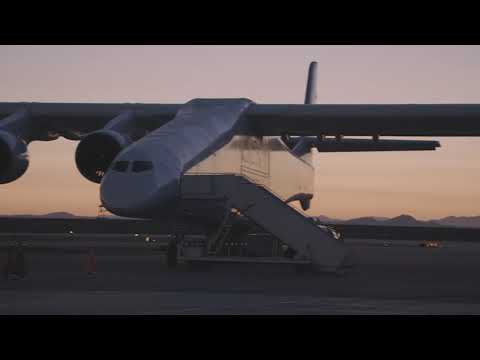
column 311, row 91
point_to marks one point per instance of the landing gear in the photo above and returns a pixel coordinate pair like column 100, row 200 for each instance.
column 289, row 253
column 305, row 203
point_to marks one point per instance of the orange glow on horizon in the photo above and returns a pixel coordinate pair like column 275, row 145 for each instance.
column 425, row 185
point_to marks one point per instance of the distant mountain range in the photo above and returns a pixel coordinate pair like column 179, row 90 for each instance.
column 402, row 220
column 406, row 220
column 59, row 215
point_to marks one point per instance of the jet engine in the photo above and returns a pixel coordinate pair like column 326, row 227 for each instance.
column 96, row 152
column 13, row 157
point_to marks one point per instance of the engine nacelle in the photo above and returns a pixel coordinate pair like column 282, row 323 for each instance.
column 96, row 152
column 13, row 157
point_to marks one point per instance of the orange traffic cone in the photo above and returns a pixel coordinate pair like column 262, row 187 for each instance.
column 91, row 263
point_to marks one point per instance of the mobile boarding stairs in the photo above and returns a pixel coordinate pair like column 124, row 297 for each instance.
column 313, row 245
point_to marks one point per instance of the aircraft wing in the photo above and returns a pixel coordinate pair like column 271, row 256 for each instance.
column 365, row 120
column 73, row 120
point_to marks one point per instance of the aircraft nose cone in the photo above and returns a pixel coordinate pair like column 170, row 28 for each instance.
column 138, row 188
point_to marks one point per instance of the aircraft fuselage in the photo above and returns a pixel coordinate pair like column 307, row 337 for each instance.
column 144, row 179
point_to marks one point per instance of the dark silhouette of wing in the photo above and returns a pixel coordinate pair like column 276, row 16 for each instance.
column 73, row 120
column 365, row 120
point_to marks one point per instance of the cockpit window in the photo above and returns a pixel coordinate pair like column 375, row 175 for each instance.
column 139, row 166
column 121, row 166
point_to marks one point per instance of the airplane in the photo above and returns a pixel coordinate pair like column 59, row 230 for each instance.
column 208, row 158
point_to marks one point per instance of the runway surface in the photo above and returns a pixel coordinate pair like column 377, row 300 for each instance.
column 400, row 278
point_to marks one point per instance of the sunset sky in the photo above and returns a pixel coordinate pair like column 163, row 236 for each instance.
column 423, row 184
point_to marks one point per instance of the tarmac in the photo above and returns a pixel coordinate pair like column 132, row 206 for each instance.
column 396, row 277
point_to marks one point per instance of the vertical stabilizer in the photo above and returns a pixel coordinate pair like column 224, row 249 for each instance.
column 311, row 91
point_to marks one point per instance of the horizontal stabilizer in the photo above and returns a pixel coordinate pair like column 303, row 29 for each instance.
column 357, row 145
